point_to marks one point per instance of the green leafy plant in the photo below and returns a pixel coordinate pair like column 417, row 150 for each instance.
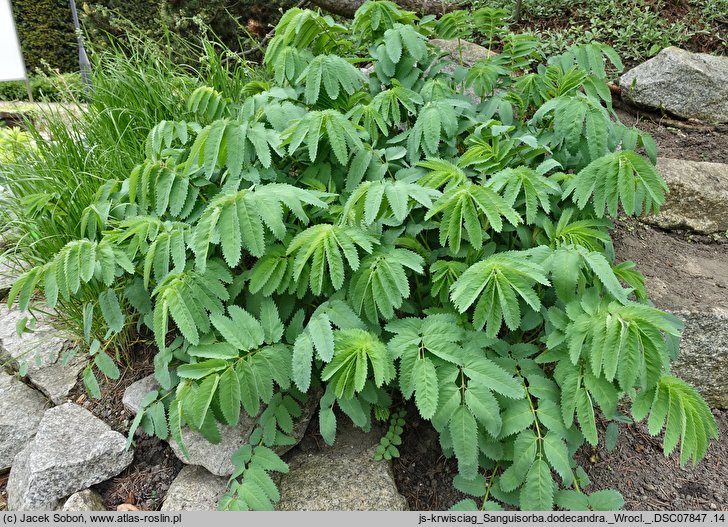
column 383, row 233
column 639, row 30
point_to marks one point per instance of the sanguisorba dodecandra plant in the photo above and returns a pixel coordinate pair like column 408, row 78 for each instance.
column 369, row 223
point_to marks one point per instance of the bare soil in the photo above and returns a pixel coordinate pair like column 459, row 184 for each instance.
column 682, row 270
column 637, row 468
column 691, row 142
column 650, row 481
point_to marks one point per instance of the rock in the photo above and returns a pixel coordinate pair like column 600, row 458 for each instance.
column 71, row 451
column 86, row 500
column 217, row 458
column 703, row 360
column 343, row 477
column 690, row 281
column 41, row 350
column 194, row 489
column 136, row 391
column 688, row 85
column 698, row 197
column 21, row 409
column 471, row 53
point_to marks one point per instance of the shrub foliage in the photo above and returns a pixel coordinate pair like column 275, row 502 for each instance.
column 45, row 30
column 410, row 229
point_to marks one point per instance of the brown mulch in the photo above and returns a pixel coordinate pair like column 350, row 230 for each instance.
column 145, row 482
column 650, row 481
column 3, row 493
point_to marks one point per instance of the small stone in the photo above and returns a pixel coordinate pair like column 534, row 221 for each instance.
column 136, row 391
column 85, row 500
column 470, row 52
column 343, row 477
column 126, row 507
column 713, row 507
column 71, row 451
column 215, row 458
column 195, row 489
column 21, row 410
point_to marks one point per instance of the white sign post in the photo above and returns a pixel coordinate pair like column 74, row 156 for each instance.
column 12, row 65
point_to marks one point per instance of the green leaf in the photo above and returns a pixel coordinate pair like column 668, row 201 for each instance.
column 110, row 309
column 525, row 448
column 201, row 369
column 516, row 417
column 484, row 407
column 229, row 394
column 426, row 387
column 464, row 433
column 465, row 505
column 606, row 500
column 202, row 400
column 106, row 365
column 241, row 329
column 327, row 424
column 270, row 321
column 322, row 336
column 175, row 426
column 496, row 283
column 88, row 318
column 91, row 384
column 538, row 492
column 302, row 358
column 585, row 413
column 157, row 413
column 473, row 487
column 557, row 455
column 611, row 436
column 622, row 177
column 487, row 373
column 571, row 500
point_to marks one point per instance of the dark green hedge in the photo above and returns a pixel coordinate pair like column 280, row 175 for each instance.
column 45, row 28
column 183, row 18
column 44, row 88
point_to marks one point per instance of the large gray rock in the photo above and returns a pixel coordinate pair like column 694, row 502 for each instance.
column 21, row 409
column 688, row 85
column 86, row 500
column 698, row 197
column 691, row 281
column 343, row 477
column 195, row 489
column 41, row 350
column 136, row 391
column 217, row 458
column 72, row 450
column 468, row 51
